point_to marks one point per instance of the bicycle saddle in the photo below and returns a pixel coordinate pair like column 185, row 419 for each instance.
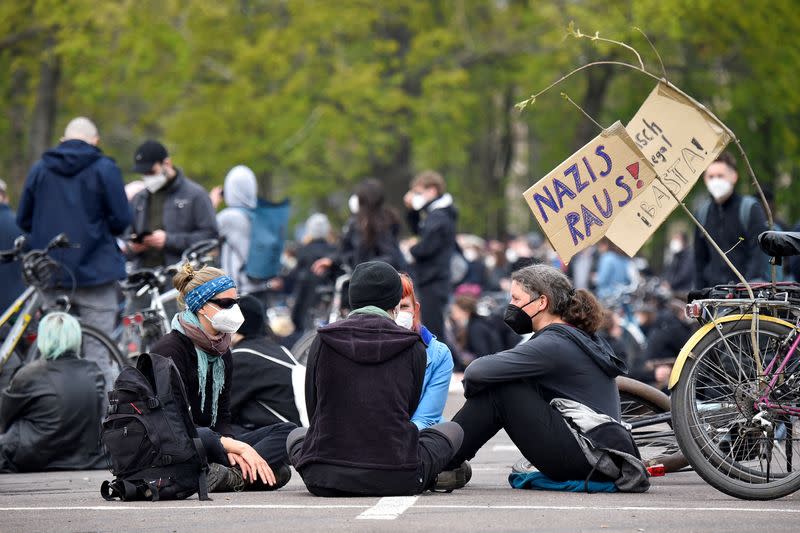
column 780, row 243
column 140, row 278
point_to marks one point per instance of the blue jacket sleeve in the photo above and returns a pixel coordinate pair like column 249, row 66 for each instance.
column 436, row 386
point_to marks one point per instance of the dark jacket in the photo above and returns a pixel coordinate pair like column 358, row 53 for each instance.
column 180, row 349
column 75, row 189
column 188, row 216
column 363, row 384
column 436, row 226
column 259, row 383
column 51, row 417
column 305, row 282
column 725, row 227
column 680, row 271
column 353, row 250
column 10, row 273
column 483, row 336
column 565, row 361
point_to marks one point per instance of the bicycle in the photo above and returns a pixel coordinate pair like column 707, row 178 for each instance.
column 39, row 270
column 143, row 327
column 736, row 385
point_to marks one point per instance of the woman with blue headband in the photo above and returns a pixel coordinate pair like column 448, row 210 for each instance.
column 199, row 344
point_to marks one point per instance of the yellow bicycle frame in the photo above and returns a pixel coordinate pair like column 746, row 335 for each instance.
column 686, row 351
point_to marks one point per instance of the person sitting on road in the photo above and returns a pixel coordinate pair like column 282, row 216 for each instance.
column 439, row 367
column 263, row 394
column 49, row 413
column 565, row 359
column 199, row 345
column 475, row 336
column 364, row 380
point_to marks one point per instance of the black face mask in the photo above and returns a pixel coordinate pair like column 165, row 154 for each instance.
column 518, row 320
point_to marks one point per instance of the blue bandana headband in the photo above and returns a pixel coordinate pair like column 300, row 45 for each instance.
column 198, row 296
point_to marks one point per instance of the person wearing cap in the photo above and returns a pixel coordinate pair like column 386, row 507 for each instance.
column 170, row 214
column 262, row 372
column 10, row 273
column 76, row 190
column 364, row 379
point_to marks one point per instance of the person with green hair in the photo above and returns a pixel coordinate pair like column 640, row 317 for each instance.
column 49, row 412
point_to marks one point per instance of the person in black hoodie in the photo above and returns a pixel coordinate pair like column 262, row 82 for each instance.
column 315, row 246
column 363, row 384
column 565, row 358
column 432, row 216
column 49, row 413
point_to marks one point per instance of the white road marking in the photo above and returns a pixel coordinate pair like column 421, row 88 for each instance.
column 148, row 505
column 504, row 448
column 388, row 508
column 612, row 508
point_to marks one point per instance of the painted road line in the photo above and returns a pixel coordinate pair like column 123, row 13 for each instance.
column 611, row 508
column 148, row 505
column 388, row 508
column 504, row 448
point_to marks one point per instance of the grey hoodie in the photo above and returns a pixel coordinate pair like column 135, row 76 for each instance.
column 241, row 193
column 565, row 361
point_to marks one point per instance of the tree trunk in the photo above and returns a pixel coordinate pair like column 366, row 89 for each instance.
column 44, row 112
column 599, row 80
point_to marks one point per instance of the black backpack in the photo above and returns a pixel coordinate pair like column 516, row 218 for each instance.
column 149, row 437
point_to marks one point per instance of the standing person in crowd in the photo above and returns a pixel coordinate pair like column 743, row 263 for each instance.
column 370, row 234
column 475, row 336
column 734, row 222
column 512, row 390
column 680, row 269
column 615, row 272
column 49, row 413
column 263, row 394
column 432, row 216
column 199, row 344
column 439, row 367
column 361, row 441
column 316, row 245
column 10, row 273
column 76, row 190
column 172, row 213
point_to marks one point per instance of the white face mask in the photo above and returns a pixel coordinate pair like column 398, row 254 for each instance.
column 155, row 182
column 675, row 246
column 418, row 201
column 404, row 319
column 227, row 320
column 352, row 203
column 471, row 254
column 719, row 187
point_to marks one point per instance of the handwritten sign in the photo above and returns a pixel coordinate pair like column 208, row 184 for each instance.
column 576, row 202
column 680, row 141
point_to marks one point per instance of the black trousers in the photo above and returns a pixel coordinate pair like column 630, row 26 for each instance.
column 269, row 442
column 437, row 444
column 433, row 300
column 536, row 428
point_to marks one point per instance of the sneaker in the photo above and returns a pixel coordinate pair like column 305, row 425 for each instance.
column 450, row 480
column 282, row 476
column 221, row 478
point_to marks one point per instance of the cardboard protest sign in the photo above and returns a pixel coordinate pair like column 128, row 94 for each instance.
column 680, row 141
column 577, row 201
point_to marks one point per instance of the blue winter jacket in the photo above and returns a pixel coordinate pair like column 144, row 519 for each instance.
column 10, row 273
column 75, row 189
column 436, row 385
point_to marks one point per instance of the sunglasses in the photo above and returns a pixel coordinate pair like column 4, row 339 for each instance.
column 224, row 303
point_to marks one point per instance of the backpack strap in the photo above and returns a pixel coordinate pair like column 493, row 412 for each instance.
column 702, row 212
column 275, row 413
column 202, row 482
column 745, row 209
column 270, row 358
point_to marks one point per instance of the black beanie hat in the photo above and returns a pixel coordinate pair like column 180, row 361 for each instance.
column 375, row 283
column 254, row 322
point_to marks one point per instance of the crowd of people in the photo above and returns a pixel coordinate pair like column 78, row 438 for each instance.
column 369, row 418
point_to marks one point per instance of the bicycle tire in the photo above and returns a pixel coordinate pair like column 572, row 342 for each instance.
column 657, row 445
column 300, row 348
column 712, row 403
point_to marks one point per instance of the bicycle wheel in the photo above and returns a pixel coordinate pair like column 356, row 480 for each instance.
column 303, row 344
column 716, row 421
column 640, row 405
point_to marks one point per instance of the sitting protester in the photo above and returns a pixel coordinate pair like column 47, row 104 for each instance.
column 263, row 394
column 565, row 371
column 199, row 346
column 364, row 381
column 439, row 366
column 475, row 336
column 50, row 411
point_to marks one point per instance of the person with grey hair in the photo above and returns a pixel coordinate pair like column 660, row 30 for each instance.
column 565, row 359
column 49, row 413
column 10, row 273
column 76, row 190
column 316, row 245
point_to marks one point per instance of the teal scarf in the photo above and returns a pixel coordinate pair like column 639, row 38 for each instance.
column 203, row 360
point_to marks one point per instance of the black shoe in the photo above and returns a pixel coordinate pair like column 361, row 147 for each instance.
column 221, row 478
column 282, row 476
column 450, row 480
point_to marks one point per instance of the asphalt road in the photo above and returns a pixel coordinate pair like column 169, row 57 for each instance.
column 676, row 503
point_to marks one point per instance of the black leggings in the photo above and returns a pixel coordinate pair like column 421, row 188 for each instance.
column 536, row 428
column 269, row 442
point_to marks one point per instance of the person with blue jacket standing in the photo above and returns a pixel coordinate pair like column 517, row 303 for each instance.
column 76, row 190
column 439, row 366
